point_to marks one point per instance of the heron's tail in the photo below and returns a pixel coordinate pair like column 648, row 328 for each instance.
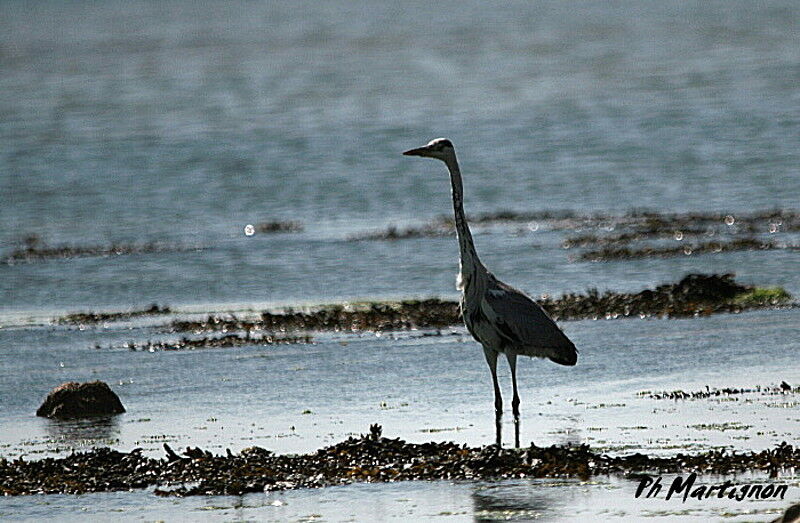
column 564, row 355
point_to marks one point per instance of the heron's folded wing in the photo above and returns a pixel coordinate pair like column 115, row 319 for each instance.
column 527, row 326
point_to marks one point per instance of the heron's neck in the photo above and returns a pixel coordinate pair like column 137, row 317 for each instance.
column 469, row 258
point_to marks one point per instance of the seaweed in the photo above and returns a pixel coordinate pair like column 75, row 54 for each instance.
column 694, row 295
column 783, row 388
column 229, row 340
column 279, row 226
column 34, row 249
column 97, row 317
column 626, row 253
column 368, row 458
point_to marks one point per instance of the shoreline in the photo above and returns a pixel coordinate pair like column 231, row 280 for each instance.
column 370, row 458
column 693, row 295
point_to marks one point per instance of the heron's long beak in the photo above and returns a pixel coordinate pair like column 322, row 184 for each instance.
column 419, row 151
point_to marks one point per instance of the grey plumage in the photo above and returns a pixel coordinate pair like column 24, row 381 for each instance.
column 501, row 318
column 535, row 334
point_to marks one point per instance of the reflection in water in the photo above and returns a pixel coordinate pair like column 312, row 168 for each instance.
column 511, row 501
column 573, row 433
column 84, row 432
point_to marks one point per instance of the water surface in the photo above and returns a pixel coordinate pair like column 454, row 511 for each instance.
column 182, row 122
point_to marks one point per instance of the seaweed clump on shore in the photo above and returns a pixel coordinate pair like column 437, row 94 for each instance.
column 227, row 341
column 783, row 388
column 97, row 317
column 409, row 314
column 369, row 458
column 694, row 295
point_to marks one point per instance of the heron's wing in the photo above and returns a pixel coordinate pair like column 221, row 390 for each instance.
column 525, row 326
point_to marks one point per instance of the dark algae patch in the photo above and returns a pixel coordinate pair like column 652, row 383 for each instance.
column 638, row 225
column 665, row 235
column 634, row 235
column 430, row 230
column 624, row 238
column 276, row 226
column 34, row 249
column 97, row 317
column 369, row 458
column 763, row 296
column 687, row 249
column 695, row 294
column 708, row 392
column 408, row 314
column 213, row 342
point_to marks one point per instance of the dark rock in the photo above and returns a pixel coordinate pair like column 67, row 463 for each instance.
column 792, row 515
column 80, row 400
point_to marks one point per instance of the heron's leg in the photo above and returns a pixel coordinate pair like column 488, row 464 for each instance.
column 512, row 362
column 491, row 359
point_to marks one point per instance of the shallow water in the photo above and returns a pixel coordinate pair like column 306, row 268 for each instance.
column 183, row 122
column 298, row 398
column 186, row 121
column 418, row 387
column 511, row 500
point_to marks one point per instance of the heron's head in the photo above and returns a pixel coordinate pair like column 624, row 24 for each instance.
column 439, row 148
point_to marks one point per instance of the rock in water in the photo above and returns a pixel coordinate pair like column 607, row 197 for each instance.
column 80, row 400
column 792, row 515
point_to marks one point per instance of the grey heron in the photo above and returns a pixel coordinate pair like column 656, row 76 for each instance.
column 501, row 318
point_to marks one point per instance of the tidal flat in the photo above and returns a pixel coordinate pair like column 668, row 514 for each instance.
column 589, row 432
column 219, row 159
column 599, row 437
column 369, row 458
